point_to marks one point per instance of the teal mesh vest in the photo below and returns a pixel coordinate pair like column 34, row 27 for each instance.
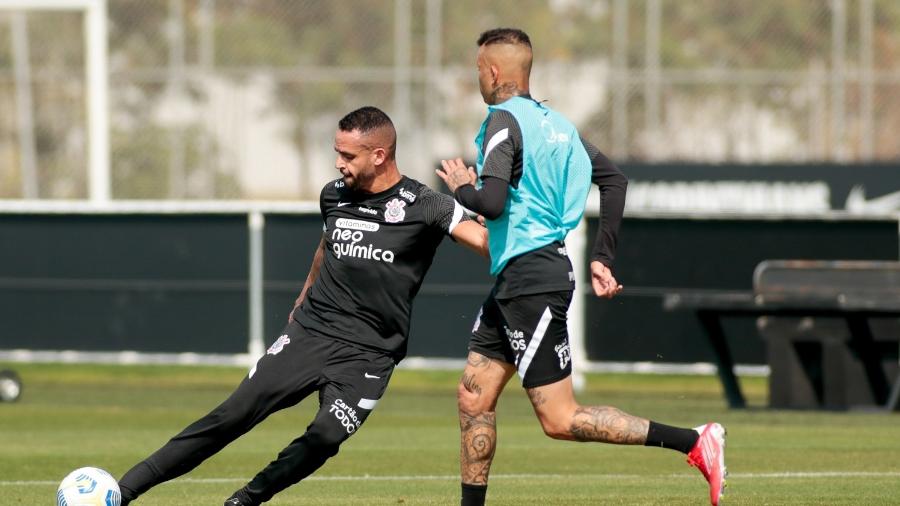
column 556, row 178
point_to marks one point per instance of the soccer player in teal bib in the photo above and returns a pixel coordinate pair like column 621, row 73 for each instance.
column 533, row 175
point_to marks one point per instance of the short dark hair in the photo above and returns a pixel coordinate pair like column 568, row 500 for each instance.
column 365, row 119
column 504, row 36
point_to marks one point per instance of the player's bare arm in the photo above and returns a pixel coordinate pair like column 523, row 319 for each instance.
column 472, row 235
column 313, row 273
column 455, row 174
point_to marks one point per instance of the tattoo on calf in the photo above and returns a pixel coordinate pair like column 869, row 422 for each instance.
column 478, row 442
column 608, row 425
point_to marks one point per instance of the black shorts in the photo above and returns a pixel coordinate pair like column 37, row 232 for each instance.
column 350, row 380
column 528, row 331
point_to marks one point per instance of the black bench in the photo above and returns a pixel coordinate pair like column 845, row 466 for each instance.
column 817, row 318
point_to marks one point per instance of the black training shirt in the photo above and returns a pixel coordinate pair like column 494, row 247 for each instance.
column 378, row 248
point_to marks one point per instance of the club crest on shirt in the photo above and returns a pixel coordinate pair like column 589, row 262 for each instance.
column 394, row 211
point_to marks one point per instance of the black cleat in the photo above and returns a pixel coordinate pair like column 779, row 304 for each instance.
column 237, row 501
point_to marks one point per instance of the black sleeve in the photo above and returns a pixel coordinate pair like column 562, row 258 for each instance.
column 441, row 210
column 613, row 184
column 489, row 201
column 502, row 148
column 501, row 169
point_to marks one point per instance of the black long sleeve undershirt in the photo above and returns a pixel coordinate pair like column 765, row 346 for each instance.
column 489, row 202
column 613, row 185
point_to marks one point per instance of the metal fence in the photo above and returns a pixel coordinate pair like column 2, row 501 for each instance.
column 238, row 99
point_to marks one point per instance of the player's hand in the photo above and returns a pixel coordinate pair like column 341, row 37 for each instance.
column 603, row 281
column 456, row 174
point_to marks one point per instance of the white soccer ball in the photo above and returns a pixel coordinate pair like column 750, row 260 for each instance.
column 88, row 486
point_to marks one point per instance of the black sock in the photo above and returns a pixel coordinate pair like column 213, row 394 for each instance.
column 128, row 495
column 666, row 436
column 473, row 495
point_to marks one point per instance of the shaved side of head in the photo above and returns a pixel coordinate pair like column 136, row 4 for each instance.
column 513, row 60
column 375, row 125
column 509, row 48
column 504, row 64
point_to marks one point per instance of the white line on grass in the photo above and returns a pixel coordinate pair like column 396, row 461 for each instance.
column 750, row 476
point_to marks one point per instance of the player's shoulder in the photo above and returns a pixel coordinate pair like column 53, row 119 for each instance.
column 333, row 189
column 414, row 191
column 497, row 116
column 501, row 120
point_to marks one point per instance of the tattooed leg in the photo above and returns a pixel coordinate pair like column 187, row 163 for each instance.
column 608, row 425
column 478, row 443
column 480, row 386
column 562, row 418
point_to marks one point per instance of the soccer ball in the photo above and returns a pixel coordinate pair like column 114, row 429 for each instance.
column 88, row 486
column 10, row 386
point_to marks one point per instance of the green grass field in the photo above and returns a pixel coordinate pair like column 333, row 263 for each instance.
column 113, row 416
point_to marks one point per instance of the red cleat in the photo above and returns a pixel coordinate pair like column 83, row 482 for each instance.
column 708, row 455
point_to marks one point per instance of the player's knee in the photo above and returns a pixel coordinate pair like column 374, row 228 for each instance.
column 555, row 431
column 328, row 436
column 226, row 419
column 556, row 427
column 469, row 400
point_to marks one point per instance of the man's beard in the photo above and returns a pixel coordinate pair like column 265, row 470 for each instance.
column 358, row 182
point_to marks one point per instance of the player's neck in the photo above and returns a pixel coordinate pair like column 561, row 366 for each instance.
column 508, row 90
column 385, row 180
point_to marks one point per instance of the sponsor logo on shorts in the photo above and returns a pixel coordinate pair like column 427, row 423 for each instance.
column 562, row 351
column 279, row 345
column 516, row 339
column 345, row 415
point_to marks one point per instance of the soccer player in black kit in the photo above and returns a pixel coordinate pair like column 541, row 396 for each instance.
column 350, row 323
column 535, row 171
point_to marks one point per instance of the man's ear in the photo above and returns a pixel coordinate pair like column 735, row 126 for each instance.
column 495, row 75
column 379, row 155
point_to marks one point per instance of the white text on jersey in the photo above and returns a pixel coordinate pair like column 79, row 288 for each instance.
column 355, row 250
